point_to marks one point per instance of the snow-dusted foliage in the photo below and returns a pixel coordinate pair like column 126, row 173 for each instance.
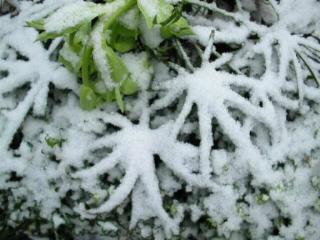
column 220, row 140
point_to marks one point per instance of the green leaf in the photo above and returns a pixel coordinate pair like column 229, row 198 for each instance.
column 70, row 27
column 119, row 99
column 88, row 99
column 119, row 29
column 77, row 39
column 69, row 58
column 52, row 142
column 123, row 39
column 117, row 13
column 85, row 64
column 165, row 10
column 73, row 15
column 45, row 36
column 176, row 14
column 129, row 87
column 121, row 75
column 73, row 44
column 80, row 38
column 124, row 45
column 36, row 24
column 161, row 12
column 131, row 18
column 179, row 28
column 154, row 11
column 145, row 10
column 119, row 71
column 66, row 63
column 109, row 96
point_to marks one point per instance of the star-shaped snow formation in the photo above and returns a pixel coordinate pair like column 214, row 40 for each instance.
column 214, row 92
column 26, row 64
column 289, row 52
column 296, row 61
column 133, row 149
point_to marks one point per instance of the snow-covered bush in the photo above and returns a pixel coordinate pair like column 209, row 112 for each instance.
column 156, row 119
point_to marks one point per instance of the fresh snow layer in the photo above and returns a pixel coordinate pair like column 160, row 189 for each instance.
column 225, row 149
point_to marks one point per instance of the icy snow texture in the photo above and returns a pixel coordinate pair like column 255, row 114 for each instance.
column 254, row 111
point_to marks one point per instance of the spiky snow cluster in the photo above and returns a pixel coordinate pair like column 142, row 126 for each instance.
column 226, row 147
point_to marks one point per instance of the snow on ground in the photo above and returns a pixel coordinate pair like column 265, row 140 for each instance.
column 225, row 145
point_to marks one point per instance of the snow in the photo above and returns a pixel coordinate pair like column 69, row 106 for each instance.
column 71, row 15
column 131, row 18
column 138, row 67
column 37, row 70
column 76, row 13
column 225, row 149
column 150, row 6
column 138, row 162
column 221, row 30
column 100, row 57
column 152, row 36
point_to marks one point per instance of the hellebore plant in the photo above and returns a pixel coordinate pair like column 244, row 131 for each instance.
column 96, row 36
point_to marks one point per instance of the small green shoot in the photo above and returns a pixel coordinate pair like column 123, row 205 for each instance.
column 52, row 142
